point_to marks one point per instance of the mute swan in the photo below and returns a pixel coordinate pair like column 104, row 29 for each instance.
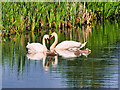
column 65, row 45
column 38, row 47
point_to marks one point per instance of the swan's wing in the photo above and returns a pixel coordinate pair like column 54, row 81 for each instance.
column 35, row 47
column 68, row 44
column 66, row 53
column 37, row 56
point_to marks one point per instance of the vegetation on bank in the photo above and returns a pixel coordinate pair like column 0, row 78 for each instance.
column 104, row 10
column 18, row 17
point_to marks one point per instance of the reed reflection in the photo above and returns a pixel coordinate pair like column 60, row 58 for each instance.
column 99, row 69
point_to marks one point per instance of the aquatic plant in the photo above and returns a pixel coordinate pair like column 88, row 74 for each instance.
column 104, row 10
column 19, row 17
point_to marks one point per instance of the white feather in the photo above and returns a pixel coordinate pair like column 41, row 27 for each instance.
column 35, row 47
column 65, row 45
column 68, row 44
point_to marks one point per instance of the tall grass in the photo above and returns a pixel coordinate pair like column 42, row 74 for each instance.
column 104, row 10
column 18, row 17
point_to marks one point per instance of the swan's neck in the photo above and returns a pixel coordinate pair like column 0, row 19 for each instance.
column 44, row 45
column 55, row 42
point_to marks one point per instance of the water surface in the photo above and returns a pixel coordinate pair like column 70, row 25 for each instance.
column 97, row 70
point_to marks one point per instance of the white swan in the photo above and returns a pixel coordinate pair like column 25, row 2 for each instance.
column 38, row 47
column 65, row 45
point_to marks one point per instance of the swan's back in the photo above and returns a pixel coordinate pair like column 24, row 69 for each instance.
column 35, row 48
column 68, row 44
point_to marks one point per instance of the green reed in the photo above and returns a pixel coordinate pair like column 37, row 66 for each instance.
column 18, row 17
column 22, row 16
column 104, row 10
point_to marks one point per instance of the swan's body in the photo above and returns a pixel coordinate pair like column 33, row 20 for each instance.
column 70, row 45
column 38, row 47
column 65, row 45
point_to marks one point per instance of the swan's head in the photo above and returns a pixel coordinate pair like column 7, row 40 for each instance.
column 53, row 35
column 46, row 37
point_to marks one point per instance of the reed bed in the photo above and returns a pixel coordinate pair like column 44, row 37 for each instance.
column 19, row 17
column 104, row 10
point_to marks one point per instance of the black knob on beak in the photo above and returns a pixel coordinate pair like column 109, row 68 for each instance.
column 50, row 36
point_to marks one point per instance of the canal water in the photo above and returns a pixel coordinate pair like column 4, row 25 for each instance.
column 98, row 69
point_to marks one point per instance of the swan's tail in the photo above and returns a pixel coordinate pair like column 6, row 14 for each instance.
column 28, row 45
column 82, row 45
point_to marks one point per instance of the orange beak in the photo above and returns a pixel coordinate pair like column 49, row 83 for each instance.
column 47, row 41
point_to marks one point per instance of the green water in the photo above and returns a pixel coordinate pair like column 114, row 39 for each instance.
column 97, row 70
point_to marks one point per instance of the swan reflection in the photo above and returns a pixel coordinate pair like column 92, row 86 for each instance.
column 52, row 57
column 35, row 56
column 66, row 53
column 48, row 59
column 73, row 53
